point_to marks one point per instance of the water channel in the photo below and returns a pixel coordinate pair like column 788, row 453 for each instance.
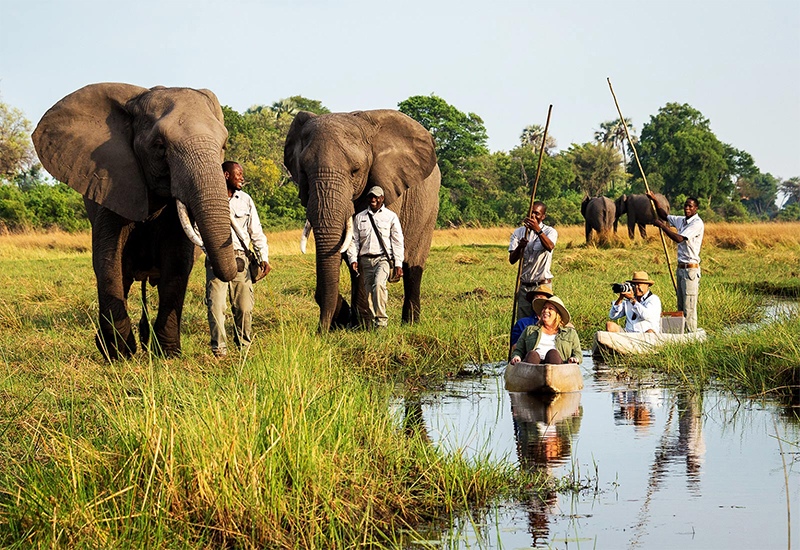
column 664, row 467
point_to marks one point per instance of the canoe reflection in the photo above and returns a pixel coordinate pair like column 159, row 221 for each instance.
column 545, row 427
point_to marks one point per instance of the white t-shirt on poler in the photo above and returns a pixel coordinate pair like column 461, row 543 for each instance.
column 692, row 229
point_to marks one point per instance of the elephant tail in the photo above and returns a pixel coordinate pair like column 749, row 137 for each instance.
column 144, row 322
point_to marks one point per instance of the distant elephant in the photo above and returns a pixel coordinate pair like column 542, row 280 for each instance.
column 140, row 157
column 335, row 158
column 639, row 210
column 599, row 214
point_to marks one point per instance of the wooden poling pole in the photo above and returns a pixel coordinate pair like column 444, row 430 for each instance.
column 527, row 231
column 641, row 171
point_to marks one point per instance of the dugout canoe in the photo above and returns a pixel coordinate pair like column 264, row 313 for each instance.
column 527, row 377
column 625, row 343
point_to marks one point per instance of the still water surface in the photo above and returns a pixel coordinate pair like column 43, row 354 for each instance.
column 666, row 468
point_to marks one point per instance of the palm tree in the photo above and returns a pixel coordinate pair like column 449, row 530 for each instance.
column 791, row 191
column 284, row 106
column 612, row 134
column 532, row 135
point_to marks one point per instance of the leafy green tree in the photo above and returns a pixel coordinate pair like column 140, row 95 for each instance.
column 612, row 134
column 16, row 149
column 597, row 168
column 255, row 140
column 678, row 144
column 460, row 141
column 532, row 136
column 758, row 193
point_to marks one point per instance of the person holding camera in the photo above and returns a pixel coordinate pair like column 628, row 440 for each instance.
column 377, row 235
column 550, row 341
column 688, row 234
column 240, row 289
column 536, row 255
column 640, row 307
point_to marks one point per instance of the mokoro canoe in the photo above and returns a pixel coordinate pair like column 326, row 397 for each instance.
column 527, row 377
column 636, row 342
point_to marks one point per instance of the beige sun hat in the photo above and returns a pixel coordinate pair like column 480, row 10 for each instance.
column 642, row 277
column 539, row 303
column 541, row 289
column 376, row 191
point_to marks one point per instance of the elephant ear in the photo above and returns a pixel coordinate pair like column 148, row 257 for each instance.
column 584, row 203
column 291, row 153
column 404, row 153
column 86, row 141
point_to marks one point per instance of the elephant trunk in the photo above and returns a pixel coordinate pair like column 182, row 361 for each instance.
column 198, row 182
column 329, row 208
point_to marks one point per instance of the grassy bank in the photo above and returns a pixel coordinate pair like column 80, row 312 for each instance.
column 294, row 446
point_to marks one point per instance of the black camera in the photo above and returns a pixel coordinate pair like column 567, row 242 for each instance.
column 621, row 288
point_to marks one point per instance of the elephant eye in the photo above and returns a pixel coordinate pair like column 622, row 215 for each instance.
column 355, row 170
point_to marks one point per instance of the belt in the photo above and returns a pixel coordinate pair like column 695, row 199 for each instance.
column 371, row 255
column 688, row 266
column 537, row 283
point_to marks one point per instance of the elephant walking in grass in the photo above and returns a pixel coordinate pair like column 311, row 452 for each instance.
column 334, row 159
column 148, row 164
column 639, row 210
column 599, row 214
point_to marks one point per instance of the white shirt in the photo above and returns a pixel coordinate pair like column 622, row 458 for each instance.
column 546, row 343
column 536, row 259
column 692, row 230
column 365, row 241
column 244, row 212
column 642, row 316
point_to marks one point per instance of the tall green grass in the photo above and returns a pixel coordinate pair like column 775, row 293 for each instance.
column 293, row 445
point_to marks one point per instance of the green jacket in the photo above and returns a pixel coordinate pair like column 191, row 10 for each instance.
column 567, row 342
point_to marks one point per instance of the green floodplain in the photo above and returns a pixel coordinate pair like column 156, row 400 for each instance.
column 296, row 444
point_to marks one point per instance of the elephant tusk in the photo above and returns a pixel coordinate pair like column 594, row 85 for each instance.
column 348, row 236
column 304, row 238
column 186, row 224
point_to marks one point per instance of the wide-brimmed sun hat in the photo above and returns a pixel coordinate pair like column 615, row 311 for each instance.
column 376, row 191
column 541, row 289
column 539, row 303
column 642, row 277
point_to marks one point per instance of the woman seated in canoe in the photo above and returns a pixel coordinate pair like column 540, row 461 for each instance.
column 549, row 341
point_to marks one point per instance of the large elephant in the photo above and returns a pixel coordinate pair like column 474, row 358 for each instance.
column 335, row 158
column 140, row 157
column 639, row 210
column 599, row 215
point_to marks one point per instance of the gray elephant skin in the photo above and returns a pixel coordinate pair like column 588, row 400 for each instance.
column 599, row 214
column 639, row 210
column 334, row 158
column 132, row 153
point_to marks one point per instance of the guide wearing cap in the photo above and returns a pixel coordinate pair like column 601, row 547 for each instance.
column 367, row 256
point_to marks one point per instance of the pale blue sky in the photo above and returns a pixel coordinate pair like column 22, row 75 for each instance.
column 738, row 62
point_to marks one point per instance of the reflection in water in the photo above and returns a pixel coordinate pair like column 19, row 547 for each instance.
column 687, row 446
column 413, row 421
column 545, row 427
column 636, row 407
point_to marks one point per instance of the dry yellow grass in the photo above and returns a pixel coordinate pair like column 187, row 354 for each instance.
column 287, row 243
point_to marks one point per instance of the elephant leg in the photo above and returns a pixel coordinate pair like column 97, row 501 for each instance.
column 114, row 336
column 642, row 231
column 630, row 230
column 144, row 322
column 412, row 281
column 588, row 230
column 359, row 313
column 176, row 262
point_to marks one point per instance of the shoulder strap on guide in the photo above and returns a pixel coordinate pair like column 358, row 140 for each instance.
column 390, row 257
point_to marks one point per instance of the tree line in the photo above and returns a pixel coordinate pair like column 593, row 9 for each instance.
column 680, row 154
